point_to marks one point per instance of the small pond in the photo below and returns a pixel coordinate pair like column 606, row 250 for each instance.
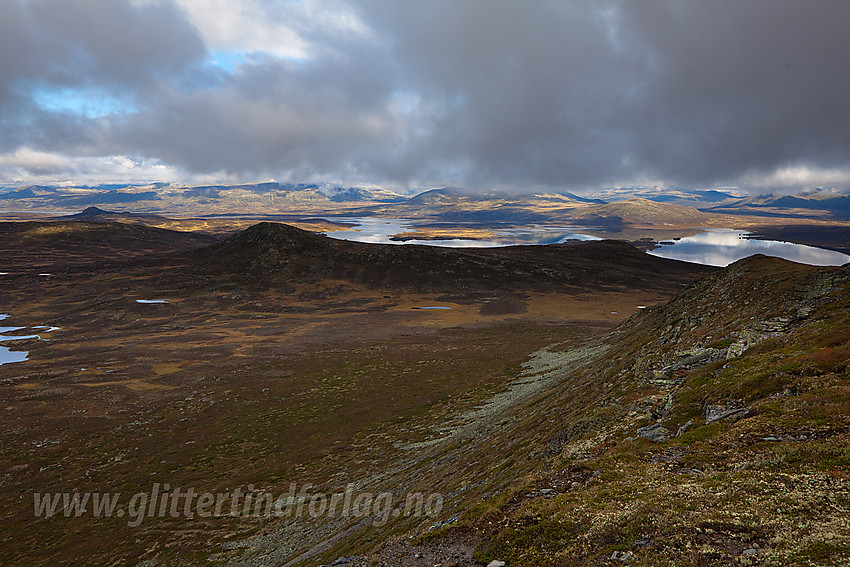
column 7, row 355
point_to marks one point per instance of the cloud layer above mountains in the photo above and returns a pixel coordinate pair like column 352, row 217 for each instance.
column 575, row 94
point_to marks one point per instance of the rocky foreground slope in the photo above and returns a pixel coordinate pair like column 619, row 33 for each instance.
column 711, row 430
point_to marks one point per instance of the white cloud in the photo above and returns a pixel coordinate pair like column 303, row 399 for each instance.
column 242, row 26
column 29, row 166
column 276, row 27
column 34, row 162
column 792, row 179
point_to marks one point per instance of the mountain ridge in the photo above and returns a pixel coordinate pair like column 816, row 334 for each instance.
column 274, row 250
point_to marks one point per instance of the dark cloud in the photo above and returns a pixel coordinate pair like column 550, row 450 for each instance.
column 110, row 47
column 576, row 94
column 272, row 116
column 587, row 93
column 522, row 95
column 740, row 86
column 114, row 40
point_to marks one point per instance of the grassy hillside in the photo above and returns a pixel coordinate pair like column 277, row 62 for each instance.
column 715, row 430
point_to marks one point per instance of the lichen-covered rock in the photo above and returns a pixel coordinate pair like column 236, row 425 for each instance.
column 716, row 413
column 655, row 432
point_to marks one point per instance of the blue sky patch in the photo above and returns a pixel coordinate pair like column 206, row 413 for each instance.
column 229, row 60
column 80, row 101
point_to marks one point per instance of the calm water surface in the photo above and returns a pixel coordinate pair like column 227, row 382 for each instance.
column 379, row 230
column 721, row 247
column 7, row 355
column 714, row 247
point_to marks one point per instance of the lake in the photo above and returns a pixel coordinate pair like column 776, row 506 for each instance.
column 379, row 230
column 721, row 247
column 714, row 247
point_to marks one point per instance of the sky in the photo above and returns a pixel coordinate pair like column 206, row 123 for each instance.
column 529, row 95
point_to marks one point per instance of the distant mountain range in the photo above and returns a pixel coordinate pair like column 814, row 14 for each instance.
column 838, row 205
column 630, row 205
column 76, row 197
column 693, row 198
column 449, row 195
column 256, row 198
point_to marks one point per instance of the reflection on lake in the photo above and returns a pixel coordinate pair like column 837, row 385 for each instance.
column 721, row 247
column 714, row 247
column 380, row 230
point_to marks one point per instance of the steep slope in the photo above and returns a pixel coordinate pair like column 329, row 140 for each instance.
column 712, row 430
